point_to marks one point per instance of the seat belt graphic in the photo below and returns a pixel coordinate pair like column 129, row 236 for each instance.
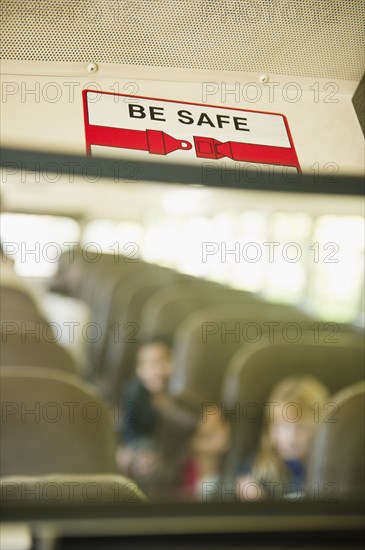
column 155, row 142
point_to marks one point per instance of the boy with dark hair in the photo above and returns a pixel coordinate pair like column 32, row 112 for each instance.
column 144, row 399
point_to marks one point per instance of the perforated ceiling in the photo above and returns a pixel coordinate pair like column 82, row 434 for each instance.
column 320, row 38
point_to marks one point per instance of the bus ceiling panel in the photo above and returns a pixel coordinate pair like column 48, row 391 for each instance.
column 298, row 38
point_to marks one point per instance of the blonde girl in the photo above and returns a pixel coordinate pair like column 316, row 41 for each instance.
column 291, row 416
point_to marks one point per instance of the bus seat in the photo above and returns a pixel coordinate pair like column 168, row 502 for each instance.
column 14, row 286
column 104, row 303
column 67, row 279
column 79, row 271
column 17, row 298
column 51, row 422
column 24, row 324
column 337, row 462
column 166, row 310
column 255, row 370
column 107, row 270
column 10, row 314
column 208, row 339
column 30, row 351
column 101, row 298
column 68, row 490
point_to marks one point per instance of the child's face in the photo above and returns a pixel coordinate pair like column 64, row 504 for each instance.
column 154, row 367
column 212, row 436
column 292, row 440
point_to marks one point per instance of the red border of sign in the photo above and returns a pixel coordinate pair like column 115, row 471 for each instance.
column 87, row 124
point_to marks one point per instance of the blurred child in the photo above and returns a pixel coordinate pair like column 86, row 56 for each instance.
column 142, row 402
column 202, row 471
column 278, row 469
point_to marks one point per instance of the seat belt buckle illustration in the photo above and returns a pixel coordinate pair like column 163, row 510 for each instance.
column 211, row 148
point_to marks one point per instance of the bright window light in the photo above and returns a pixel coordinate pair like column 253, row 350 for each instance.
column 115, row 237
column 337, row 267
column 161, row 244
column 287, row 250
column 251, row 232
column 286, row 257
column 36, row 242
column 191, row 238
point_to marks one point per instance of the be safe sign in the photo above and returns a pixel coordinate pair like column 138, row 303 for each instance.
column 185, row 131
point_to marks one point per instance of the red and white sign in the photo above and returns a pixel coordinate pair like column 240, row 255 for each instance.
column 185, row 131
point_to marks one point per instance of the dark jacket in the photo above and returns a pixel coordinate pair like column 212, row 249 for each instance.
column 139, row 418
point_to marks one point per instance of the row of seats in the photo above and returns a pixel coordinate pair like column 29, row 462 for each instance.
column 144, row 300
column 51, row 423
column 216, row 357
column 57, row 438
column 218, row 354
column 152, row 299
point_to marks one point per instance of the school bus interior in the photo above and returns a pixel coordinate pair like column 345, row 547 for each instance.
column 182, row 274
